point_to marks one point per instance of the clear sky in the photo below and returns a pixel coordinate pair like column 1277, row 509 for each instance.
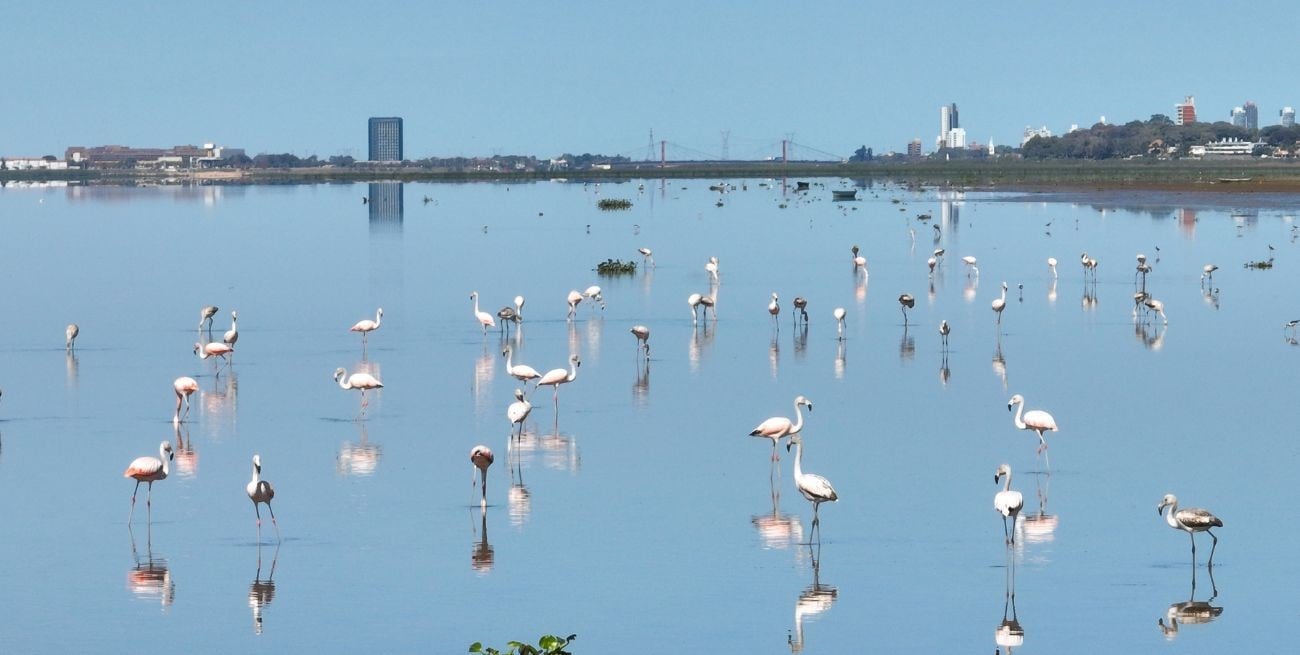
column 542, row 78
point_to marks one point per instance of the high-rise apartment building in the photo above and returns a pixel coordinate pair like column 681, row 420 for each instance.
column 1252, row 116
column 948, row 122
column 914, row 149
column 953, row 113
column 1185, row 111
column 386, row 139
column 1288, row 117
column 1238, row 115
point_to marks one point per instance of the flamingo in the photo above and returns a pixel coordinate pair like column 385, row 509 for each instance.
column 213, row 349
column 694, row 300
column 509, row 314
column 481, row 457
column 232, row 335
column 1208, row 274
column 1089, row 266
column 906, row 302
column 1156, row 306
column 574, row 299
column 484, row 318
column 938, row 255
column 185, row 387
column 362, row 381
column 709, row 302
column 931, row 263
column 206, row 314
column 1051, row 264
column 70, row 336
column 969, row 261
column 815, row 488
column 801, row 305
column 647, row 256
column 260, row 491
column 593, row 293
column 557, row 376
column 1190, row 520
column 1000, row 304
column 642, row 334
column 148, row 469
column 943, row 332
column 1008, row 503
column 366, row 326
column 1036, row 420
column 522, row 371
column 779, row 426
column 712, row 267
column 774, row 308
column 518, row 411
column 859, row 262
column 839, row 324
column 1291, row 325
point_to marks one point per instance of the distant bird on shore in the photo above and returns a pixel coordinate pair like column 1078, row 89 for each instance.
column 1207, row 273
column 859, row 262
column 593, row 294
column 800, row 312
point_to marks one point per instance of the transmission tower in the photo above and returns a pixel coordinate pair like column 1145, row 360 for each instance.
column 650, row 148
column 726, row 136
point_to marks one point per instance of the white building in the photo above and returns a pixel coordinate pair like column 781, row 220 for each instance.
column 956, row 138
column 1225, row 148
column 32, row 164
column 1031, row 133
column 1288, row 116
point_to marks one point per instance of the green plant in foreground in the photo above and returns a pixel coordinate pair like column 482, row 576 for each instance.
column 547, row 645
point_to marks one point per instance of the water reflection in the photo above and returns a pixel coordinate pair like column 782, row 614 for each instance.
column 860, row 279
column 70, row 363
column 701, row 341
column 558, row 451
column 1039, row 527
column 1211, row 297
column 484, row 371
column 1009, row 633
column 219, row 404
column 801, row 341
column 386, row 202
column 149, row 579
column 1151, row 336
column 1191, row 612
column 1089, row 300
column 262, row 592
column 595, row 326
column 777, row 530
column 814, row 600
column 1051, row 292
column 839, row 360
column 483, row 557
column 972, row 286
column 774, row 356
column 519, row 499
column 1000, row 364
column 641, row 387
column 360, row 458
column 187, row 459
column 906, row 346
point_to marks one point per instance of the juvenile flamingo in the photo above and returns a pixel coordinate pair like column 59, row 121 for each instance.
column 1000, row 304
column 906, row 302
column 969, row 261
column 815, row 488
column 800, row 305
column 481, row 457
column 1036, row 420
column 522, row 372
column 362, row 381
column 694, row 301
column 70, row 336
column 518, row 411
column 206, row 314
column 484, row 318
column 859, row 262
column 1190, row 520
column 931, row 263
column 232, row 335
column 1008, row 503
column 366, row 326
column 148, row 469
column 557, row 376
column 642, row 334
column 943, row 332
column 573, row 300
column 1156, row 306
column 647, row 255
column 779, row 426
column 185, row 387
column 839, row 327
column 260, row 491
column 593, row 293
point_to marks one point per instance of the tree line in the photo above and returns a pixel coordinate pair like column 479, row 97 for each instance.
column 1156, row 136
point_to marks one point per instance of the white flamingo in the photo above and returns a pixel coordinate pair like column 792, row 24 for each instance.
column 1190, row 520
column 839, row 326
column 366, row 326
column 70, row 336
column 573, row 299
column 943, row 332
column 1207, row 273
column 485, row 319
column 557, row 376
column 593, row 293
column 151, row 470
column 522, row 372
column 906, row 302
column 1035, row 420
column 481, row 457
column 1051, row 264
column 518, row 411
column 647, row 255
column 969, row 261
column 184, row 387
column 642, row 334
column 712, row 267
column 1156, row 307
column 694, row 301
column 232, row 335
column 357, row 381
column 1008, row 503
column 774, row 308
column 260, row 491
column 859, row 262
column 206, row 314
column 1000, row 304
column 815, row 488
column 779, row 426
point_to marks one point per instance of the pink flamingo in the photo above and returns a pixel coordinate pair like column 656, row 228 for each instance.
column 214, row 349
column 779, row 426
column 482, row 458
column 260, row 491
column 1036, row 420
column 362, row 381
column 557, row 376
column 148, row 469
column 185, row 387
column 366, row 326
column 485, row 319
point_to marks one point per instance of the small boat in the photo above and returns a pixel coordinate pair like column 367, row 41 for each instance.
column 800, row 186
column 1229, row 180
column 844, row 194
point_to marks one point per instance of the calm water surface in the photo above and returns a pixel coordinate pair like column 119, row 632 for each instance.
column 642, row 516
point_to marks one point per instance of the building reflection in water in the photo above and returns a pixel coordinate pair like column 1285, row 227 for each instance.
column 150, row 579
column 385, row 203
column 261, row 591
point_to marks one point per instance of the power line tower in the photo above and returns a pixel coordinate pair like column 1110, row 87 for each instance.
column 726, row 136
column 650, row 148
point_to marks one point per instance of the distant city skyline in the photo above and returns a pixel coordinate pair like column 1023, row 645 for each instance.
column 542, row 79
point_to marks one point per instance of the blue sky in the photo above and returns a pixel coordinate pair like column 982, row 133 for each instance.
column 481, row 78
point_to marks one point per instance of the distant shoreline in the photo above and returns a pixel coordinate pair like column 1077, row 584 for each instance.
column 1191, row 176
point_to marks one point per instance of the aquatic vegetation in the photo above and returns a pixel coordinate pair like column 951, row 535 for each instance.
column 616, row 267
column 547, row 645
column 1261, row 265
column 610, row 204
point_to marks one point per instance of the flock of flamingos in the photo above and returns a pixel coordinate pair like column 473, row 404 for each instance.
column 815, row 488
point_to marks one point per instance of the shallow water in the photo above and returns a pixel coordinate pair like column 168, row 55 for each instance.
column 640, row 514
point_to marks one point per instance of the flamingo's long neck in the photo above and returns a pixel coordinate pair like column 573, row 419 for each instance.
column 476, row 304
column 573, row 371
column 509, row 354
column 257, row 476
column 519, row 310
column 1020, row 407
column 798, row 419
column 1171, row 519
column 1004, row 295
column 162, row 455
column 1006, row 484
column 343, row 381
column 798, row 460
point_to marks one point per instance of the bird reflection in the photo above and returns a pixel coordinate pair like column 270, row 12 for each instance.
column 701, row 340
column 558, row 451
column 972, row 285
column 359, row 459
column 594, row 327
column 519, row 499
column 262, row 592
column 220, row 404
column 483, row 557
column 839, row 360
column 1051, row 292
column 484, row 369
column 777, row 530
column 1151, row 336
column 1009, row 634
column 1089, row 301
column 1039, row 527
column 860, row 287
column 1000, row 364
column 801, row 341
column 641, row 387
column 944, row 373
column 813, row 600
column 1192, row 612
column 149, row 579
column 907, row 346
column 187, row 459
column 70, row 362
column 774, row 356
column 1211, row 297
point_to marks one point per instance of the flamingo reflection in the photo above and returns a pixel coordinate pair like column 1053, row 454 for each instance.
column 71, row 365
column 482, row 557
column 1191, row 612
column 519, row 499
column 149, row 579
column 187, row 459
column 839, row 360
column 1000, row 364
column 361, row 458
column 777, row 530
column 641, row 387
column 1040, row 527
column 1009, row 633
column 261, row 592
column 814, row 600
column 906, row 346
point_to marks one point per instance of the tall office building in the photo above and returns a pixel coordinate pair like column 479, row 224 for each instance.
column 953, row 113
column 1288, row 117
column 914, row 149
column 948, row 122
column 1238, row 117
column 386, row 139
column 1252, row 116
column 1185, row 111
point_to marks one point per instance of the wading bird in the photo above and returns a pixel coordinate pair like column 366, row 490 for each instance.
column 647, row 255
column 1190, row 520
column 260, row 491
column 70, row 336
column 485, row 319
column 943, row 333
column 557, row 376
column 694, row 301
column 1036, row 420
column 184, row 387
column 815, row 488
column 522, row 372
column 1207, row 274
column 481, row 457
column 357, row 381
column 774, row 308
column 712, row 267
column 839, row 328
column 1000, row 304
column 366, row 326
column 148, row 469
column 213, row 349
column 971, row 268
column 906, row 302
column 779, row 426
column 573, row 299
column 1051, row 264
column 518, row 411
column 593, row 293
column 1008, row 503
column 1157, row 307
column 642, row 334
column 206, row 314
column 232, row 335
column 859, row 262
column 800, row 309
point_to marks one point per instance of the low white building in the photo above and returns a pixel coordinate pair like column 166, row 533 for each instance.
column 1031, row 133
column 1230, row 147
column 32, row 164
